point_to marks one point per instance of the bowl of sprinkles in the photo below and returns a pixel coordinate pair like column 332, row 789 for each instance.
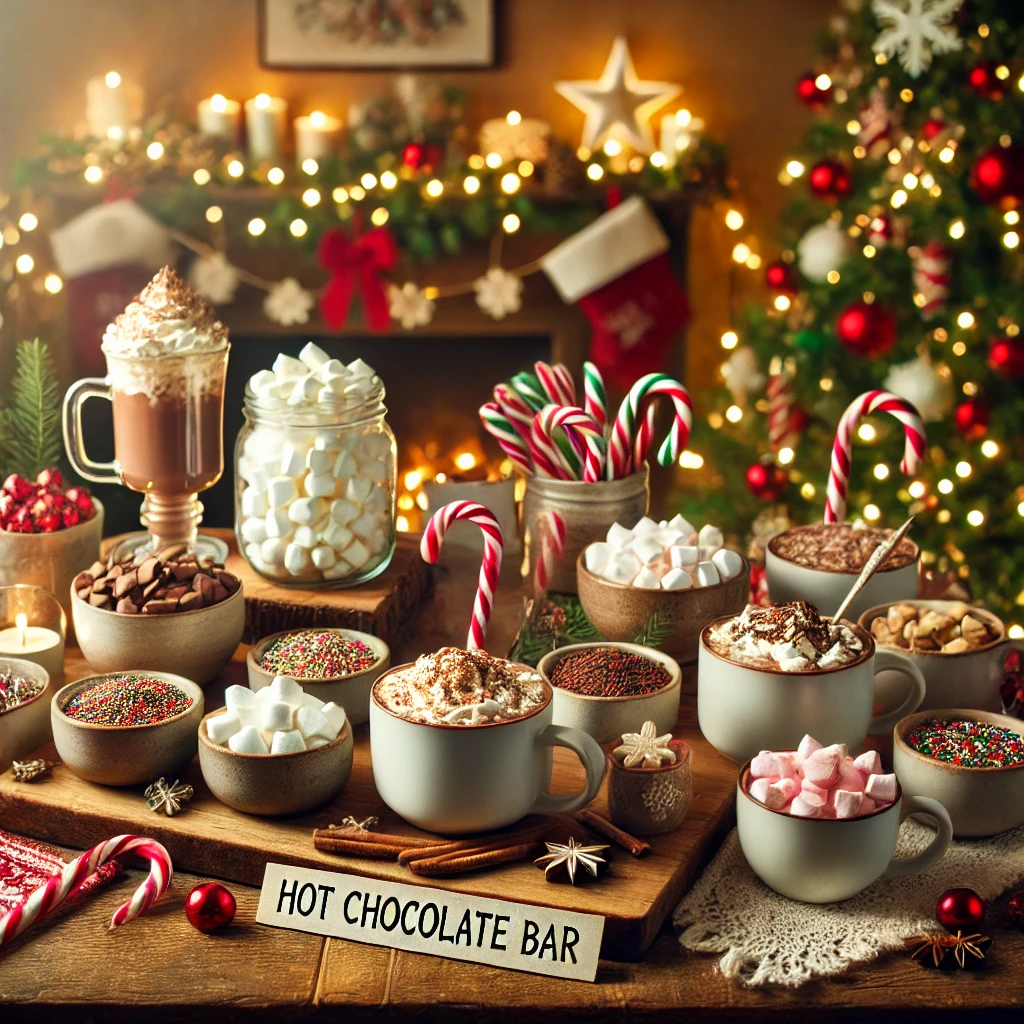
column 971, row 761
column 605, row 688
column 24, row 709
column 127, row 728
column 339, row 665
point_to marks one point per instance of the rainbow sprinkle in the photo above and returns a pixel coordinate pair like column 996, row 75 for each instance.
column 128, row 700
column 316, row 654
column 968, row 744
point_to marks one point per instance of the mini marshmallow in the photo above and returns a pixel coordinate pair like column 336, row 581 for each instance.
column 296, row 559
column 280, row 491
column 378, row 542
column 344, row 467
column 239, row 697
column 677, row 522
column 822, row 767
column 253, row 472
column 376, row 471
column 339, row 570
column 597, row 556
column 682, row 556
column 378, row 501
column 289, row 367
column 319, row 485
column 706, row 575
column 254, row 502
column 647, row 580
column 272, row 551
column 318, row 460
column 307, row 511
column 668, row 538
column 647, row 549
column 356, row 554
column 618, row 537
column 323, row 556
column 220, row 728
column 286, row 690
column 262, row 381
column 775, row 765
column 309, row 701
column 759, row 790
column 360, row 386
column 800, row 808
column 289, row 742
column 851, row 778
column 331, row 370
column 313, row 356
column 808, row 745
column 728, row 563
column 248, row 741
column 305, row 537
column 335, row 715
column 337, row 536
column 622, row 567
column 870, row 763
column 710, row 537
column 363, row 526
column 780, row 793
column 645, row 526
column 278, row 523
column 816, row 796
column 881, row 788
column 252, row 552
column 276, row 715
column 357, row 368
column 306, row 389
column 676, row 579
column 344, row 511
column 313, row 722
column 358, row 489
column 315, row 744
column 848, row 803
column 253, row 530
column 327, row 395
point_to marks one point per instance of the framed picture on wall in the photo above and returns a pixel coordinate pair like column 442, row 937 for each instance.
column 376, row 34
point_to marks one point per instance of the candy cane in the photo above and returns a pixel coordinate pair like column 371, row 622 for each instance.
column 490, row 567
column 530, row 391
column 583, row 431
column 549, row 458
column 627, row 451
column 514, row 409
column 61, row 884
column 780, row 405
column 508, row 439
column 551, row 550
column 553, row 383
column 595, row 398
column 567, row 385
column 839, row 474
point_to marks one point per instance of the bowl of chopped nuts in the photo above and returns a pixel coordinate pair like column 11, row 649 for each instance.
column 171, row 612
column 959, row 648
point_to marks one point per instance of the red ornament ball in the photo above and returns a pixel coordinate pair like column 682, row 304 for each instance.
column 866, row 329
column 982, row 78
column 412, row 155
column 931, row 128
column 209, row 906
column 1015, row 909
column 809, row 93
column 829, row 179
column 972, row 418
column 1006, row 357
column 779, row 276
column 999, row 174
column 960, row 909
column 766, row 482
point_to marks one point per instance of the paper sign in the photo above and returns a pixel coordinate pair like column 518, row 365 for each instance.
column 517, row 936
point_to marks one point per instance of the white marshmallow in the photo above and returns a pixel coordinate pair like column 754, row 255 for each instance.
column 647, row 549
column 808, row 745
column 252, row 553
column 357, row 368
column 278, row 523
column 378, row 542
column 253, row 530
column 344, row 467
column 339, row 537
column 335, row 715
column 848, row 803
column 356, row 554
column 307, row 511
column 618, row 537
column 676, row 579
column 289, row 367
column 286, row 690
column 262, row 381
column 312, row 722
column 296, row 559
column 801, row 808
column 870, row 763
column 644, row 527
column 272, row 552
column 682, row 556
column 254, row 502
column 306, row 389
column 327, row 395
column 706, row 574
column 239, row 697
column 319, row 485
column 728, row 563
column 323, row 555
column 881, row 788
column 668, row 538
column 358, row 489
column 316, row 744
column 376, row 471
column 248, row 741
column 331, row 370
column 313, row 356
column 597, row 556
column 710, row 537
column 319, row 461
column 375, row 445
column 622, row 567
column 378, row 501
column 280, row 491
column 275, row 715
column 677, row 522
column 339, row 570
column 292, row 461
column 290, row 742
column 363, row 526
column 221, row 728
column 309, row 701
column 758, row 789
column 647, row 580
column 305, row 537
column 253, row 473
column 344, row 511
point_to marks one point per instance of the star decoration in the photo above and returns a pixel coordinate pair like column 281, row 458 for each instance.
column 644, row 748
column 942, row 950
column 409, row 305
column 916, row 29
column 499, row 293
column 618, row 102
column 288, row 303
column 29, row 771
column 168, row 798
column 214, row 278
column 569, row 857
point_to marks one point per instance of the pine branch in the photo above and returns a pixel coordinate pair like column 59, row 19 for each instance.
column 30, row 428
column 652, row 633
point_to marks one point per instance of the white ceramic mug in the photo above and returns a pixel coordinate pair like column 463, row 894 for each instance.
column 967, row 679
column 825, row 589
column 822, row 860
column 743, row 709
column 455, row 779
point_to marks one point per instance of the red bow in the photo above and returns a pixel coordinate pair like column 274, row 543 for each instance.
column 356, row 262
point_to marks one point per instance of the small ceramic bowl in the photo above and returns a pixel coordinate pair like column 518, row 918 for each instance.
column 126, row 755
column 980, row 801
column 351, row 692
column 195, row 644
column 25, row 727
column 650, row 801
column 620, row 611
column 275, row 784
column 607, row 718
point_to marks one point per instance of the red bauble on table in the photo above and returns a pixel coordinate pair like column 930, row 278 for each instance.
column 209, row 906
column 766, row 481
column 960, row 909
column 1006, row 357
column 982, row 78
column 866, row 329
column 829, row 179
column 972, row 418
column 779, row 276
column 999, row 174
column 809, row 93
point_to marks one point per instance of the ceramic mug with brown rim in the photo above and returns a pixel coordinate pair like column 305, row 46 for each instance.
column 457, row 779
column 744, row 708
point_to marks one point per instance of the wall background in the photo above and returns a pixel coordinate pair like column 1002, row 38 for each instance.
column 736, row 59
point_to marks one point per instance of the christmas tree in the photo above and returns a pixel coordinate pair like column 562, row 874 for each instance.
column 900, row 268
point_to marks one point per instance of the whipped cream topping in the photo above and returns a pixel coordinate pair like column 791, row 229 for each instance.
column 167, row 318
column 791, row 636
column 464, row 688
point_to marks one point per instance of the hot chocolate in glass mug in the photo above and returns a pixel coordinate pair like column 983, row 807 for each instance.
column 167, row 357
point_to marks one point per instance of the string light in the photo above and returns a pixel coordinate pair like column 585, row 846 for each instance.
column 357, row 192
column 853, row 127
column 368, row 181
column 946, row 154
column 493, row 160
column 201, row 176
column 894, row 156
column 311, row 197
column 526, row 168
column 298, row 227
column 881, row 471
column 691, row 460
column 716, row 422
column 595, row 172
column 975, row 517
column 1011, row 217
column 1015, row 632
column 906, row 95
column 910, row 180
column 310, row 166
column 402, row 524
column 434, row 188
column 794, row 168
column 93, row 174
column 730, row 339
column 965, row 320
column 155, row 150
column 412, row 479
column 510, row 183
column 28, row 222
column 257, row 226
column 869, row 251
column 959, row 348
column 734, row 220
column 52, row 283
column 389, row 179
column 1011, row 239
column 1002, row 72
column 24, row 263
column 782, row 303
column 113, row 79
column 658, row 158
column 379, row 217
column 943, row 515
column 471, row 185
column 989, row 449
column 235, row 168
column 214, row 214
column 510, row 222
column 917, row 489
column 612, row 147
column 807, row 490
column 832, row 277
column 785, row 456
column 477, row 162
column 866, row 432
column 753, row 261
column 970, row 388
column 899, row 198
column 740, row 252
column 1020, row 509
column 927, row 180
column 275, row 175
column 957, row 229
column 945, row 486
column 734, row 414
column 340, row 194
column 513, row 117
column 963, row 469
column 872, row 513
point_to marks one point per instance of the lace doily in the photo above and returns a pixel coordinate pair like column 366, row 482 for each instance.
column 768, row 939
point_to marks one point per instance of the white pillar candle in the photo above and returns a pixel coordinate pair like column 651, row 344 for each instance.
column 316, row 136
column 44, row 647
column 265, row 120
column 219, row 118
column 111, row 106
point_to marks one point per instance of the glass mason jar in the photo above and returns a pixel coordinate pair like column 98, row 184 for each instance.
column 315, row 490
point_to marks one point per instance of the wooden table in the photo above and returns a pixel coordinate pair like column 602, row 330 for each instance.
column 159, row 968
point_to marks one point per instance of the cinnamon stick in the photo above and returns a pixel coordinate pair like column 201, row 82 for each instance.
column 356, row 848
column 356, row 836
column 637, row 847
column 459, row 863
column 472, row 844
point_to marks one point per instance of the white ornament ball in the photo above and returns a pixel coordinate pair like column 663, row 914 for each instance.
column 921, row 384
column 823, row 248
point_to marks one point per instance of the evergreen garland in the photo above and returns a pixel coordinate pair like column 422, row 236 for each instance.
column 30, row 418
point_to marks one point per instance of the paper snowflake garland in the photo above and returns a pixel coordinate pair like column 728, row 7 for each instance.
column 499, row 293
column 409, row 306
column 741, row 373
column 645, row 748
column 916, row 30
column 214, row 278
column 288, row 303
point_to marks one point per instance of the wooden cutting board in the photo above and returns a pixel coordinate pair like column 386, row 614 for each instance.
column 636, row 896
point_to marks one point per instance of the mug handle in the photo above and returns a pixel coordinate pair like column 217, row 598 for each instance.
column 590, row 754
column 936, row 849
column 74, row 443
column 897, row 661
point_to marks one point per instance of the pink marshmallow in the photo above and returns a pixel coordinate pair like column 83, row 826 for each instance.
column 759, row 790
column 768, row 764
column 817, row 798
column 780, row 793
column 868, row 805
column 800, row 808
column 848, row 804
column 851, row 778
column 814, row 789
column 869, row 762
column 881, row 788
column 822, row 767
column 808, row 745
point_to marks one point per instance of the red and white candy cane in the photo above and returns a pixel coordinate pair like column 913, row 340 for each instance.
column 514, row 409
column 553, row 381
column 550, row 550
column 780, row 406
column 839, row 474
column 629, row 441
column 490, row 567
column 62, row 884
column 583, row 432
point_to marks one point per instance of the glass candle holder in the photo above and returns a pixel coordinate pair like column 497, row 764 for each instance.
column 33, row 627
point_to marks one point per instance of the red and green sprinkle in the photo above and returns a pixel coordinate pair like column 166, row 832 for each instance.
column 968, row 744
column 317, row 654
column 127, row 700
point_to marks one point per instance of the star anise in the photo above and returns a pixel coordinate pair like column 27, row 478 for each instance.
column 943, row 950
column 569, row 857
column 29, row 771
column 170, row 798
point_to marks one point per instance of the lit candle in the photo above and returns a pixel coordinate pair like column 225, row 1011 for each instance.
column 111, row 106
column 38, row 644
column 265, row 118
column 219, row 118
column 316, row 136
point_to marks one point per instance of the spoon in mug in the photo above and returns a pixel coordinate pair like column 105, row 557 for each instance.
column 878, row 556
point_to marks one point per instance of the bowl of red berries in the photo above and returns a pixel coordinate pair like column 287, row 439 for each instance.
column 49, row 533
